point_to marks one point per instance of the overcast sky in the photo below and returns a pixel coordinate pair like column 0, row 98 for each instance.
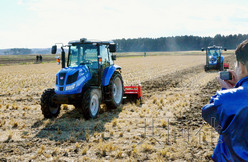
column 41, row 23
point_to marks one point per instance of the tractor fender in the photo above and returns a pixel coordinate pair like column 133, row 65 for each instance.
column 107, row 74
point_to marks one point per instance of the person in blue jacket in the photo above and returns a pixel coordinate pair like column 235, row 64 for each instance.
column 227, row 111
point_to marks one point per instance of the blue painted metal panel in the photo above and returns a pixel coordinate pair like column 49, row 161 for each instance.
column 75, row 87
column 107, row 74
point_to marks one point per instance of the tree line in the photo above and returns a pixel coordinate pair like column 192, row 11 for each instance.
column 178, row 43
column 17, row 51
column 24, row 51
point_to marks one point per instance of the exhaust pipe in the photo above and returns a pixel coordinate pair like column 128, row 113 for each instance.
column 63, row 57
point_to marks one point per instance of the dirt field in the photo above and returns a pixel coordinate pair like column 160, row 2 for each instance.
column 24, row 59
column 168, row 126
column 30, row 59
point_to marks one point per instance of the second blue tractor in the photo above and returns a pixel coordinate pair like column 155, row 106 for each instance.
column 214, row 58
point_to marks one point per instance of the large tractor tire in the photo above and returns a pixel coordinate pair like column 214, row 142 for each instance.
column 114, row 91
column 206, row 68
column 91, row 103
column 48, row 108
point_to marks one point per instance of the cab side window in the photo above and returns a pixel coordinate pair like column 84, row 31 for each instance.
column 110, row 58
column 105, row 56
column 104, row 52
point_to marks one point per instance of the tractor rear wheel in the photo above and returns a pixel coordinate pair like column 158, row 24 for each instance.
column 221, row 67
column 114, row 91
column 91, row 103
column 48, row 108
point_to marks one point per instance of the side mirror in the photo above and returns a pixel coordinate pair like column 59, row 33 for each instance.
column 112, row 47
column 202, row 49
column 54, row 49
column 113, row 57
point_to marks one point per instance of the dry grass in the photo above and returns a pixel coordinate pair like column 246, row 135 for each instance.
column 114, row 122
column 163, row 123
column 84, row 151
column 147, row 148
column 115, row 135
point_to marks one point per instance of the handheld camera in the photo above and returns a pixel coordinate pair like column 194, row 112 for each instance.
column 225, row 75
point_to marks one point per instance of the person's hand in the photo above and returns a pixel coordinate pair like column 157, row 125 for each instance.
column 224, row 84
column 234, row 78
column 228, row 84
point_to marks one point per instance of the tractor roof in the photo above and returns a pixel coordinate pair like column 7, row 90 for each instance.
column 90, row 41
column 214, row 47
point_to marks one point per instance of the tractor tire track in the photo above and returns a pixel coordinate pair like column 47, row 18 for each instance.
column 172, row 80
column 203, row 97
column 194, row 81
column 177, row 79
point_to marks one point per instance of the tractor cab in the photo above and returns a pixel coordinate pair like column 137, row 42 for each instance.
column 92, row 56
column 87, row 60
column 214, row 52
column 214, row 58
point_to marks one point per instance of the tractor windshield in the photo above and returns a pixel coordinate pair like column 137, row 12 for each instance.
column 83, row 54
column 214, row 52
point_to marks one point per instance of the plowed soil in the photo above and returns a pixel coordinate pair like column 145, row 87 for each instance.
column 167, row 127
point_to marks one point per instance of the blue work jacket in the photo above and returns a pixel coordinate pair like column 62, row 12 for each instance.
column 227, row 112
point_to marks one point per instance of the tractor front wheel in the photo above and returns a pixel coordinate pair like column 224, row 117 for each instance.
column 48, row 108
column 206, row 68
column 115, row 91
column 91, row 103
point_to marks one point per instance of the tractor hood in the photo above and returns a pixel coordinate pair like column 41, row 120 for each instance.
column 70, row 80
column 68, row 71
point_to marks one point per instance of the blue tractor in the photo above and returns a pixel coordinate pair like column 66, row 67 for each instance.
column 214, row 59
column 89, row 79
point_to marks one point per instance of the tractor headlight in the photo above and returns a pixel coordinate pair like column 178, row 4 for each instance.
column 70, row 87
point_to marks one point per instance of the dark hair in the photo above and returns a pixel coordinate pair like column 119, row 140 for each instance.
column 242, row 52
